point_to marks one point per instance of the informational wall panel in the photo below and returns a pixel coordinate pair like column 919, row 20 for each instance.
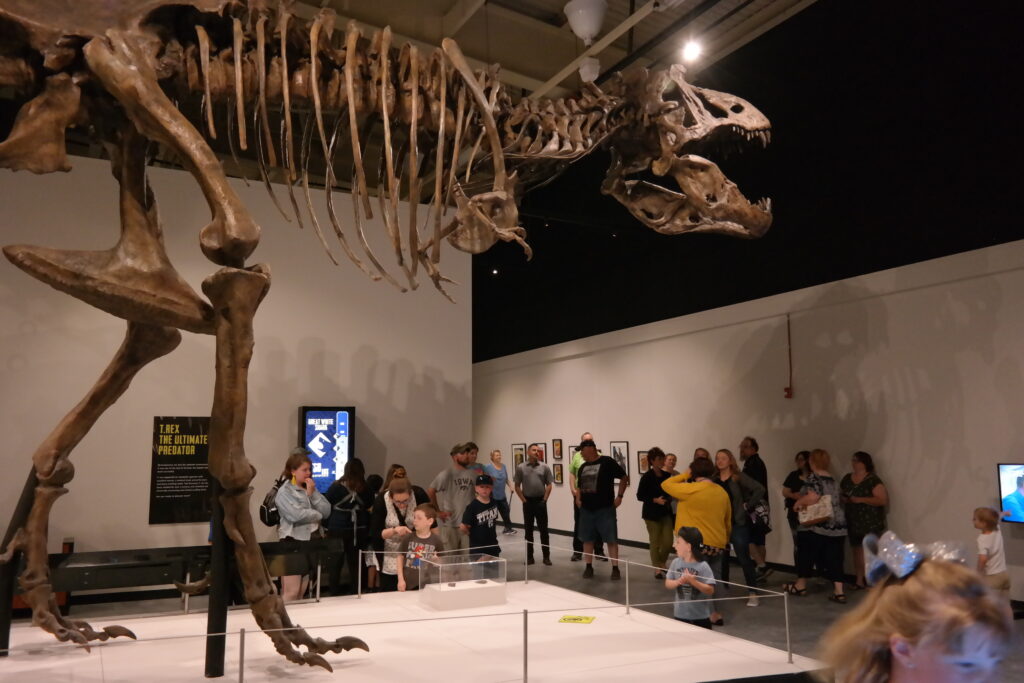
column 326, row 432
column 180, row 481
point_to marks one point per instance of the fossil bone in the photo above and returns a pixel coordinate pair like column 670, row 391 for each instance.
column 116, row 71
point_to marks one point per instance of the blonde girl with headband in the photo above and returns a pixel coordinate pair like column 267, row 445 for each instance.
column 929, row 619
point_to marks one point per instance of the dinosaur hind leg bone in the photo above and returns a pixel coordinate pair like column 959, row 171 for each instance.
column 142, row 344
column 235, row 295
column 121, row 66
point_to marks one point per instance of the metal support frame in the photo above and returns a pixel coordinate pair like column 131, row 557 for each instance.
column 9, row 569
column 217, row 608
column 659, row 38
column 597, row 47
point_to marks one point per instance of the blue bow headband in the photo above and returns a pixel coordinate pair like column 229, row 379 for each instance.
column 889, row 555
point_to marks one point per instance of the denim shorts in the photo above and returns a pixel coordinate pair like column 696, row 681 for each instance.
column 600, row 522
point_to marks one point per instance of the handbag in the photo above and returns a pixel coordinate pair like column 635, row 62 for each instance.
column 760, row 521
column 269, row 514
column 818, row 513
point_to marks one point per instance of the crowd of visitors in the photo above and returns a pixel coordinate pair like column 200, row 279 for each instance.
column 714, row 507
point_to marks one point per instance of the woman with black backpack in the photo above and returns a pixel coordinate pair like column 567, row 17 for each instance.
column 350, row 500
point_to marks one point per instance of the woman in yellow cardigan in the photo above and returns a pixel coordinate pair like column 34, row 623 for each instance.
column 705, row 505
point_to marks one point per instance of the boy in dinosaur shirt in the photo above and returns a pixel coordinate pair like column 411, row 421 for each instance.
column 421, row 544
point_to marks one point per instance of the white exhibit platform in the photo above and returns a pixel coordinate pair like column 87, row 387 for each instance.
column 409, row 641
column 463, row 594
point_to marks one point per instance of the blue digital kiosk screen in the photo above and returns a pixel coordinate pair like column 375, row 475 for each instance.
column 326, row 432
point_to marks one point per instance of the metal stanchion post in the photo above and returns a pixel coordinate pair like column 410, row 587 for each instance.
column 526, row 568
column 359, row 575
column 185, row 596
column 789, row 646
column 627, row 586
column 217, row 606
column 319, row 576
column 241, row 655
column 526, row 628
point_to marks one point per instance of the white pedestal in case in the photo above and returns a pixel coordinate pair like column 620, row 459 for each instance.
column 460, row 582
column 463, row 594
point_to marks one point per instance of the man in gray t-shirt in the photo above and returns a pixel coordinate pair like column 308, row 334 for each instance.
column 450, row 492
column 533, row 486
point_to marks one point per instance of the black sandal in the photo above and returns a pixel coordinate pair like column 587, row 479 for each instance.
column 791, row 589
column 838, row 597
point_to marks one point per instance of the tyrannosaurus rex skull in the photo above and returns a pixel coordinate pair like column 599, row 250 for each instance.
column 674, row 126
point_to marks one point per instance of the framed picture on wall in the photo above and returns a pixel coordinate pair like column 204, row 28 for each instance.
column 557, row 468
column 620, row 452
column 641, row 462
column 556, row 449
column 543, row 450
column 518, row 454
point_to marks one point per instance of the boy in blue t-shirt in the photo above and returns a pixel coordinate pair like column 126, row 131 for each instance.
column 691, row 578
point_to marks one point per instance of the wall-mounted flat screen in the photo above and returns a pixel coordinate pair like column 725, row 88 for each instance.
column 1011, row 492
column 327, row 432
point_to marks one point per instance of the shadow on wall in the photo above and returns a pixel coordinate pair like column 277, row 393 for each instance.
column 832, row 341
column 402, row 415
column 893, row 376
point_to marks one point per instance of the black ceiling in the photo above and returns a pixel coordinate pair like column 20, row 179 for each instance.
column 896, row 139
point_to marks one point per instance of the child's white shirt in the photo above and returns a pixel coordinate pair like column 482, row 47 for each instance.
column 991, row 545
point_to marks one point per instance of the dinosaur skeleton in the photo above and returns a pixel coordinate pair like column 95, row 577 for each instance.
column 137, row 72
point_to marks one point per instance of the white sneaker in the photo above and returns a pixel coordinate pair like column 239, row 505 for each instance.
column 752, row 601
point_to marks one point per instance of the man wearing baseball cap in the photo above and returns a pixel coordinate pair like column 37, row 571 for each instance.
column 450, row 492
column 480, row 520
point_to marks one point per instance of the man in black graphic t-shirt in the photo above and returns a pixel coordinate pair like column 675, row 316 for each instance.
column 597, row 499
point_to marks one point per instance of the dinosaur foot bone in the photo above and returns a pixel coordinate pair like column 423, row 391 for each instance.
column 46, row 615
column 273, row 619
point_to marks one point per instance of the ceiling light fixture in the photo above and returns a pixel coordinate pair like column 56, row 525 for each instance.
column 691, row 51
column 590, row 69
column 585, row 18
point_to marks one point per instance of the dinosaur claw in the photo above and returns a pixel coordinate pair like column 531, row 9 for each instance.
column 314, row 659
column 195, row 587
column 119, row 631
column 77, row 637
column 350, row 643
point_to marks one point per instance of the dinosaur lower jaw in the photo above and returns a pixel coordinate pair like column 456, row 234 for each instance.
column 705, row 201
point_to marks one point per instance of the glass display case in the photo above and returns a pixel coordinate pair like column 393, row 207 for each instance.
column 461, row 581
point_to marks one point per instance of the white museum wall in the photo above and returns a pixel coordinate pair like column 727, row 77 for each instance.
column 325, row 335
column 921, row 366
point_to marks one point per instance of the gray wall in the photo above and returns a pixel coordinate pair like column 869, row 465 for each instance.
column 921, row 366
column 324, row 335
